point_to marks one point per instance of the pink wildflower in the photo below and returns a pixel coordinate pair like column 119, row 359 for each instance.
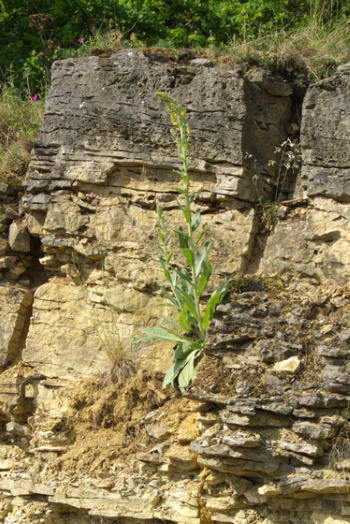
column 80, row 40
column 34, row 97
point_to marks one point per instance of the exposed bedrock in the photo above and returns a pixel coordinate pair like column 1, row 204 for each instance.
column 263, row 436
column 104, row 161
column 311, row 244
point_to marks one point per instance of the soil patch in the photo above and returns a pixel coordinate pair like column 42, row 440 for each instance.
column 108, row 423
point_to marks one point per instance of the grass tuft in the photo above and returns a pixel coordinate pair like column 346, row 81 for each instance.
column 311, row 52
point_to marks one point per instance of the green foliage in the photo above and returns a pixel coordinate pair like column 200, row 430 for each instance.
column 185, row 285
column 35, row 32
column 267, row 211
column 20, row 122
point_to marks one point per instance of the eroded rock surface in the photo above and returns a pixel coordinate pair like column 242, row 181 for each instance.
column 103, row 163
column 256, row 440
column 247, row 443
column 310, row 244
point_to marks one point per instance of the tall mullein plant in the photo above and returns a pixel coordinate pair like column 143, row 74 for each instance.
column 187, row 284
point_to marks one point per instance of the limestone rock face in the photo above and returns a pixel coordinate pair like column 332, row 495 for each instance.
column 112, row 125
column 325, row 138
column 86, row 440
column 15, row 314
column 97, row 177
column 310, row 243
column 74, row 331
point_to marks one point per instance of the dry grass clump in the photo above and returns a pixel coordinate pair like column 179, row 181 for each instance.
column 340, row 453
column 312, row 51
column 117, row 373
column 120, row 365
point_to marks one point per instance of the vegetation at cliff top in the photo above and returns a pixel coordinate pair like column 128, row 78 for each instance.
column 300, row 37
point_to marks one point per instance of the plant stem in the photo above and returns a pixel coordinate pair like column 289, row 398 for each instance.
column 186, row 182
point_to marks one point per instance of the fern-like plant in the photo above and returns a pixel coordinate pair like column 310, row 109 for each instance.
column 187, row 284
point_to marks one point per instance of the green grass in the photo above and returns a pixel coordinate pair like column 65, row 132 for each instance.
column 20, row 121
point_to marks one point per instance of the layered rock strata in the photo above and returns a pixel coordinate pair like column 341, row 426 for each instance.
column 263, row 436
column 247, row 443
column 105, row 160
column 320, row 230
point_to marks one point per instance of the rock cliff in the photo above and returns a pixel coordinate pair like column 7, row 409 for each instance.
column 262, row 435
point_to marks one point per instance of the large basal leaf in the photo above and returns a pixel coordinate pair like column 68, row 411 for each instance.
column 160, row 333
column 173, row 372
column 185, row 349
column 187, row 372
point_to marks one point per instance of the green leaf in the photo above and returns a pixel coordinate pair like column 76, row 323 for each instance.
column 183, row 321
column 168, row 296
column 190, row 303
column 161, row 333
column 201, row 233
column 166, row 304
column 205, row 276
column 187, row 214
column 185, row 277
column 165, row 269
column 172, row 322
column 196, row 220
column 173, row 371
column 173, row 278
column 215, row 298
column 186, row 348
column 200, row 258
column 169, row 256
column 187, row 372
column 169, row 376
column 188, row 254
column 183, row 238
column 178, row 190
